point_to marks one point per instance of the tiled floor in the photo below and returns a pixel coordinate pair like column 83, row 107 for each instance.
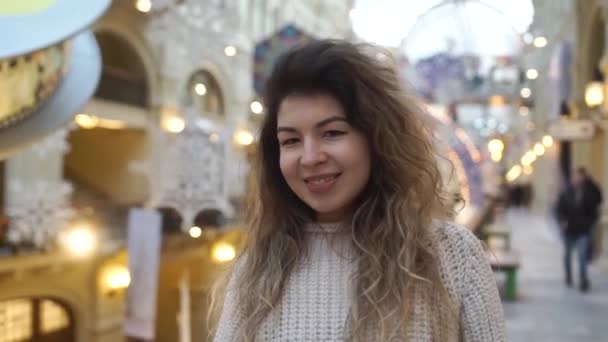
column 547, row 310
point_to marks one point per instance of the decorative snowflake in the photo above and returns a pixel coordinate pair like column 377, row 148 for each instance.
column 56, row 142
column 39, row 209
column 44, row 209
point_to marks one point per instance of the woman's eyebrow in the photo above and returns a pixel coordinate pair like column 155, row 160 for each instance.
column 330, row 120
column 317, row 125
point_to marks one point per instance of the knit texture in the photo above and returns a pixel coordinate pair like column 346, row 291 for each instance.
column 316, row 300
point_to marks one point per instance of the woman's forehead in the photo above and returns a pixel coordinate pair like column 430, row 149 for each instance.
column 296, row 109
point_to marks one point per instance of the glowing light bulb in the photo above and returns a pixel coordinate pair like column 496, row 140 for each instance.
column 223, row 252
column 540, row 42
column 256, row 107
column 195, row 232
column 200, row 89
column 230, row 51
column 243, row 137
column 532, row 74
column 143, row 6
column 80, row 241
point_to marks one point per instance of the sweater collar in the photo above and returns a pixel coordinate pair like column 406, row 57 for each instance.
column 323, row 227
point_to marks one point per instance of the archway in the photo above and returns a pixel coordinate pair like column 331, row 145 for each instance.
column 171, row 220
column 210, row 218
column 124, row 77
column 110, row 138
column 204, row 93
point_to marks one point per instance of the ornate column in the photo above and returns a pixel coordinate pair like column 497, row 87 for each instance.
column 186, row 170
column 190, row 37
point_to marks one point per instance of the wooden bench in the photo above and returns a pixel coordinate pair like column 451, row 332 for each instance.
column 507, row 262
column 492, row 232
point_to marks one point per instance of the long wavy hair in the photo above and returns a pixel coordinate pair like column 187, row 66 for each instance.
column 390, row 229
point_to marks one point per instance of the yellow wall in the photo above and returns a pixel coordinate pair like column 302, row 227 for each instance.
column 194, row 257
column 98, row 314
column 100, row 159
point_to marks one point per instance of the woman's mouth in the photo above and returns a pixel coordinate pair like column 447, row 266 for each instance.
column 321, row 183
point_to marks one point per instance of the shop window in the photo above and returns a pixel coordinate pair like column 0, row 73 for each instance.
column 16, row 320
column 53, row 317
column 35, row 320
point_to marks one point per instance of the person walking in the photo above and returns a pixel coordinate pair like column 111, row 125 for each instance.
column 578, row 213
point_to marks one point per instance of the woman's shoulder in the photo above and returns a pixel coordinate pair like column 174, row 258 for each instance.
column 450, row 235
column 457, row 248
column 459, row 252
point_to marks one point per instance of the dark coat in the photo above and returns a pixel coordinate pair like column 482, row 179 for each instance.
column 579, row 217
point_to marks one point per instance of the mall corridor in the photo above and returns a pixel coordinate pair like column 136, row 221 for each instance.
column 547, row 310
column 130, row 155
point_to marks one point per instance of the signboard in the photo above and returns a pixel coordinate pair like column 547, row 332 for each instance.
column 580, row 129
column 144, row 242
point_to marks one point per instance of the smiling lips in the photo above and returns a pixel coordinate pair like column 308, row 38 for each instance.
column 321, row 183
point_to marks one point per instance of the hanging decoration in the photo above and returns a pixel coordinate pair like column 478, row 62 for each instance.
column 463, row 154
column 40, row 208
column 44, row 209
column 270, row 49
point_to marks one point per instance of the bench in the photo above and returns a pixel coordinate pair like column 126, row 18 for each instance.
column 507, row 262
column 492, row 232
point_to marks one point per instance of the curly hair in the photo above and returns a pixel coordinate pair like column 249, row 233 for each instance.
column 390, row 228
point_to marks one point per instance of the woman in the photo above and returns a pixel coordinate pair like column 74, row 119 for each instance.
column 346, row 240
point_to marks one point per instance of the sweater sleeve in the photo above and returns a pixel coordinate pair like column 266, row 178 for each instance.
column 227, row 328
column 482, row 317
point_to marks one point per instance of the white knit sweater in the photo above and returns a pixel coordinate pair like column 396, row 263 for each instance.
column 315, row 302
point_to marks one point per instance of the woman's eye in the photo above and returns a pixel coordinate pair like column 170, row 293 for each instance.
column 288, row 142
column 333, row 133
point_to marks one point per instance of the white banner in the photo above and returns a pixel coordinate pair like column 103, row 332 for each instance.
column 144, row 242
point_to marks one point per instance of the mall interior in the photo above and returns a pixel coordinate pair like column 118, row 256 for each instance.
column 127, row 128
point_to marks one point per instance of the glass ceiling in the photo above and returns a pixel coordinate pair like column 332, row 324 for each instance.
column 455, row 51
column 422, row 28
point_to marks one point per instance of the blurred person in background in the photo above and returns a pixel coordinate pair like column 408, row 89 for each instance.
column 578, row 214
column 348, row 234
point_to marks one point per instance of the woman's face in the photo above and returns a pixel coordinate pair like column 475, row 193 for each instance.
column 324, row 160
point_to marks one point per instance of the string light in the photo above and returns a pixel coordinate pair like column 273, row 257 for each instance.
column 540, row 42
column 532, row 74
column 230, row 51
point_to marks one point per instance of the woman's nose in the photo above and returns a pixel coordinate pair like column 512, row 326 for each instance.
column 312, row 154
